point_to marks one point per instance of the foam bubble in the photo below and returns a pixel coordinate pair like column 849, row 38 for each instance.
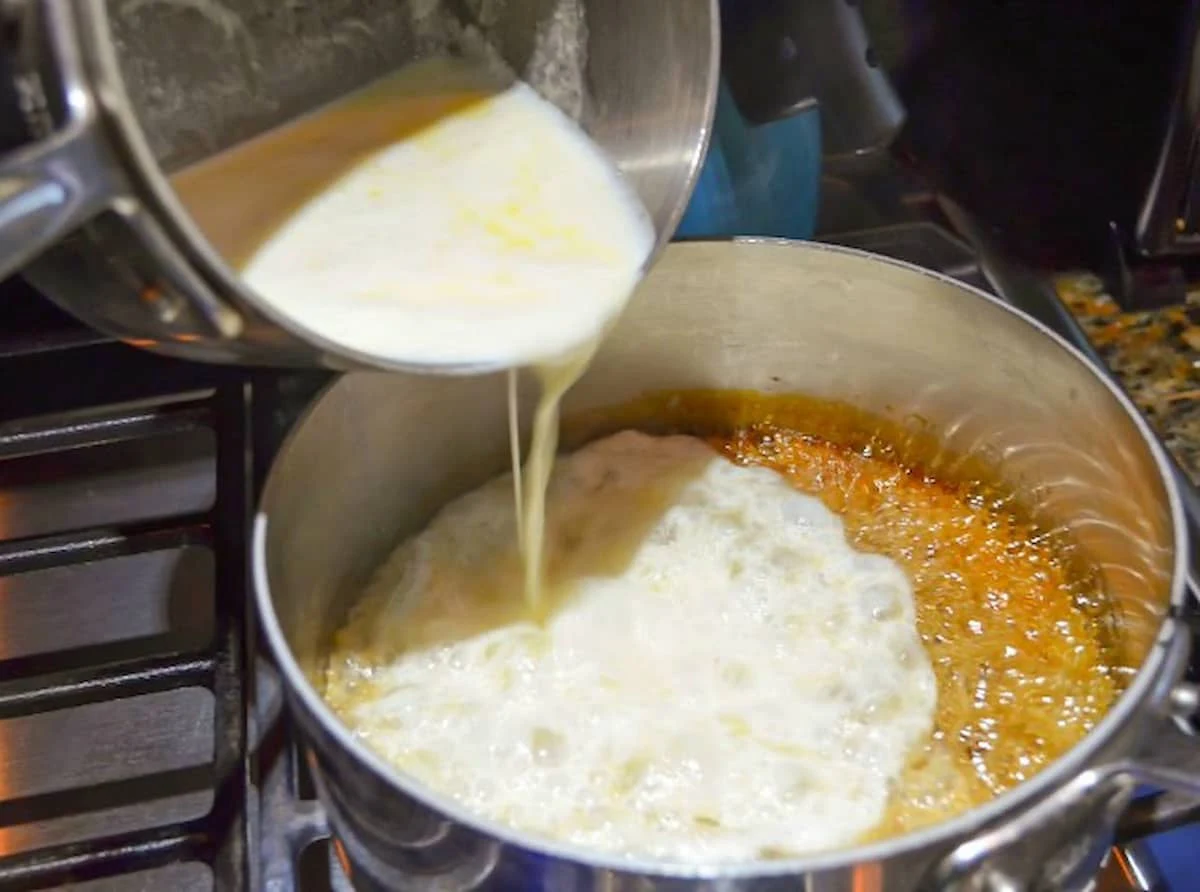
column 725, row 676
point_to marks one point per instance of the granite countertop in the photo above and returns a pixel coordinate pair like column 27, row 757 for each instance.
column 1155, row 353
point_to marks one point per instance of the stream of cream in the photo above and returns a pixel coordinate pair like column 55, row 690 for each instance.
column 555, row 378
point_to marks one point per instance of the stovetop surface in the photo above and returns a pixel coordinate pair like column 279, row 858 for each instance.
column 139, row 747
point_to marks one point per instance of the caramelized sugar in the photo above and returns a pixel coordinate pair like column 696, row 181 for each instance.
column 1020, row 639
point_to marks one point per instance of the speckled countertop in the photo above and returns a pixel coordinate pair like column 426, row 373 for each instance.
column 1155, row 353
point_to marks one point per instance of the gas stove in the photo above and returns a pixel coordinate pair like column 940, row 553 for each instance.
column 143, row 743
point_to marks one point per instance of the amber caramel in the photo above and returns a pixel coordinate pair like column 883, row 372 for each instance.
column 1020, row 638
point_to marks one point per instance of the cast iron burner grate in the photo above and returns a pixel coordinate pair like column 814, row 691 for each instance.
column 124, row 497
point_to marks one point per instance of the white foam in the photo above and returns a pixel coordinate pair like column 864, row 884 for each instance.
column 727, row 677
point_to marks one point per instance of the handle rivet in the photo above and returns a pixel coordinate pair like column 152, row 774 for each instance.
column 166, row 305
column 1184, row 701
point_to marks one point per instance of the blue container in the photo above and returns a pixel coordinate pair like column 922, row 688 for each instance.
column 762, row 180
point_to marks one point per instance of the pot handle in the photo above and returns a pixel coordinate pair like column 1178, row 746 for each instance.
column 1171, row 762
column 1060, row 843
column 60, row 176
column 288, row 824
column 778, row 55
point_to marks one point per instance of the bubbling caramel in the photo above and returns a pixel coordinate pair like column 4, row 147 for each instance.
column 1022, row 643
column 1021, row 640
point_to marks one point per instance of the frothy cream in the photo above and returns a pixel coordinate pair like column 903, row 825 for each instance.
column 721, row 676
column 495, row 235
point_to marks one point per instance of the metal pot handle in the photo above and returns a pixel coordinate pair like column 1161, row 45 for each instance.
column 63, row 177
column 287, row 824
column 1176, row 803
column 1060, row 843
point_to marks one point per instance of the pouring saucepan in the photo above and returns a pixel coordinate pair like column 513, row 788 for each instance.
column 377, row 455
column 121, row 97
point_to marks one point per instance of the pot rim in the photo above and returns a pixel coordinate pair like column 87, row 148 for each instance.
column 942, row 834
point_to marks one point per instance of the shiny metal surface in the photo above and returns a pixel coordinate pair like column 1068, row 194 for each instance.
column 177, row 878
column 53, row 185
column 1169, row 218
column 121, row 547
column 1167, row 808
column 78, row 828
column 773, row 317
column 164, row 84
column 781, row 57
column 294, row 832
column 64, row 616
column 1033, row 295
column 106, row 742
column 161, row 599
column 124, row 482
column 1057, row 842
column 58, row 756
column 1130, row 868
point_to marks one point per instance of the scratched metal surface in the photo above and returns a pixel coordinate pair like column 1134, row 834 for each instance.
column 206, row 74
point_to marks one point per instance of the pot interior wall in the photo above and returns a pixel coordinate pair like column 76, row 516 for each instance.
column 205, row 78
column 380, row 454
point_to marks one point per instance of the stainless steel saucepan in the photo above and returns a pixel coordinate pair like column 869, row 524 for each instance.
column 117, row 96
column 377, row 455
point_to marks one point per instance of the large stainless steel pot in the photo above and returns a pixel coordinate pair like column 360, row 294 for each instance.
column 377, row 455
column 118, row 95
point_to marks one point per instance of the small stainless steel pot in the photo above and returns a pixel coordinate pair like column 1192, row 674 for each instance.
column 118, row 96
column 377, row 455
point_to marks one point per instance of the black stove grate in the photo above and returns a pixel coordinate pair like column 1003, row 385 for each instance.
column 125, row 488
